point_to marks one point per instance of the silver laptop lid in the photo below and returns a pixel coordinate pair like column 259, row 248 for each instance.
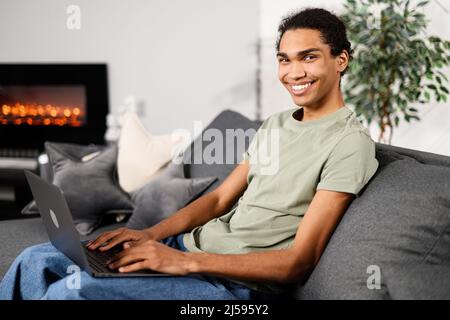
column 57, row 219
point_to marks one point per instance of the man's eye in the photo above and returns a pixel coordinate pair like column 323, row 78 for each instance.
column 282, row 60
column 309, row 56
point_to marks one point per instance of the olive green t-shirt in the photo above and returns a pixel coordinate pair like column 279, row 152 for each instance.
column 289, row 160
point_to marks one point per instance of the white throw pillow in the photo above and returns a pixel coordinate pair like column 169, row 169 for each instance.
column 142, row 155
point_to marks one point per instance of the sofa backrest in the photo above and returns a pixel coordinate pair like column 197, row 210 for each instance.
column 421, row 156
column 227, row 119
column 400, row 221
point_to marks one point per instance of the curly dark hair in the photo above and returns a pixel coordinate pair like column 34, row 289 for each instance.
column 332, row 29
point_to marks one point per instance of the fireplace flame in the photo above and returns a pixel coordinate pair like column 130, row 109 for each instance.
column 37, row 115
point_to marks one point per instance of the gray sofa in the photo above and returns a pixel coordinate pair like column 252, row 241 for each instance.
column 392, row 243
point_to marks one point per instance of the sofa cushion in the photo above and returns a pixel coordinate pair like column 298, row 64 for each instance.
column 141, row 154
column 424, row 281
column 165, row 195
column 403, row 216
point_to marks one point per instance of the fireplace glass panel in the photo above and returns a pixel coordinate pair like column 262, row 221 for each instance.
column 43, row 105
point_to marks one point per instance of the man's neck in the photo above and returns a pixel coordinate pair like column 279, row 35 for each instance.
column 323, row 108
column 313, row 114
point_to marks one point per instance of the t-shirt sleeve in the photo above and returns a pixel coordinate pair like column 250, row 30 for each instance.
column 350, row 165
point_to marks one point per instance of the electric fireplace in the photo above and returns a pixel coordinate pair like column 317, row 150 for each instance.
column 52, row 102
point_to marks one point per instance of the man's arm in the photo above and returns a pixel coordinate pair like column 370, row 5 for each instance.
column 200, row 211
column 205, row 208
column 286, row 265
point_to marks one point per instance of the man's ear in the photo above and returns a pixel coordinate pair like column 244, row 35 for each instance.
column 342, row 60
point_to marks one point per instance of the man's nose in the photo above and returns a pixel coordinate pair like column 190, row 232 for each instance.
column 297, row 71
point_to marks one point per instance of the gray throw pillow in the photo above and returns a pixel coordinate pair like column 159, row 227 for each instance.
column 75, row 151
column 164, row 195
column 90, row 187
column 402, row 217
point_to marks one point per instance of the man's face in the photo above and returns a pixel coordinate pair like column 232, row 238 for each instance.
column 306, row 67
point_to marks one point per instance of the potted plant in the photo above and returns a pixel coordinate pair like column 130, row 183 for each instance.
column 395, row 63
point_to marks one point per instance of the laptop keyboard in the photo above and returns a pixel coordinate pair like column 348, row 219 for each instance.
column 98, row 259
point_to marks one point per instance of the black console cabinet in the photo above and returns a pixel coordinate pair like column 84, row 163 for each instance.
column 14, row 193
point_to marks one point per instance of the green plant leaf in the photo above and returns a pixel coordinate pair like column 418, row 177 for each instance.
column 444, row 89
column 443, row 75
column 398, row 64
column 396, row 120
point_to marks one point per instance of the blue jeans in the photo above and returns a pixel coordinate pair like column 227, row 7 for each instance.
column 41, row 272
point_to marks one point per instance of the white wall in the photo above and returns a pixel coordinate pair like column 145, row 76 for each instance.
column 186, row 60
column 431, row 134
column 182, row 60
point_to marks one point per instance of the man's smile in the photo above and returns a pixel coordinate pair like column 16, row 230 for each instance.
column 300, row 89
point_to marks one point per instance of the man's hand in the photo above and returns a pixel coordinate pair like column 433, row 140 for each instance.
column 152, row 255
column 110, row 239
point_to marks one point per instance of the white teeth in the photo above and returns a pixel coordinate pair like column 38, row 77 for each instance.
column 301, row 87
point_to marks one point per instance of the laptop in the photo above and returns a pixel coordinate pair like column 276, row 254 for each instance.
column 63, row 235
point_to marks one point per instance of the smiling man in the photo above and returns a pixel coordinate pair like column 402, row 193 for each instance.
column 311, row 64
column 283, row 221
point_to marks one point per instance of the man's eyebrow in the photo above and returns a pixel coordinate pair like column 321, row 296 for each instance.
column 300, row 53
